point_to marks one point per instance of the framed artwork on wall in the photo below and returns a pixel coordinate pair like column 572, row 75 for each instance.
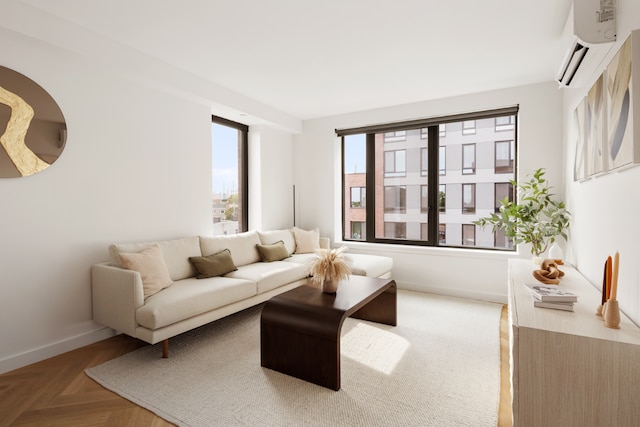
column 595, row 125
column 579, row 132
column 621, row 147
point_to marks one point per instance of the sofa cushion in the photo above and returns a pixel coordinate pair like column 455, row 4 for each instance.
column 217, row 264
column 191, row 297
column 268, row 237
column 307, row 241
column 273, row 252
column 176, row 254
column 370, row 265
column 150, row 264
column 270, row 275
column 242, row 247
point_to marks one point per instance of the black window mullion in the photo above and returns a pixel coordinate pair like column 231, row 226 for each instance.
column 433, row 182
column 371, row 187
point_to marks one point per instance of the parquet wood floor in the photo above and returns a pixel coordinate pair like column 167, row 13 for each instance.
column 56, row 391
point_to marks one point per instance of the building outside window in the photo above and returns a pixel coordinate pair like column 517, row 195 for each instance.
column 358, row 231
column 424, row 198
column 469, row 127
column 358, row 197
column 504, row 156
column 503, row 190
column 468, row 198
column 505, row 123
column 468, row 159
column 229, row 162
column 424, row 162
column 442, row 160
column 395, row 163
column 400, row 187
column 468, row 235
column 400, row 135
column 395, row 199
column 395, row 230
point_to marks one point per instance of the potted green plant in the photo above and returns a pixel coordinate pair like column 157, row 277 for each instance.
column 536, row 219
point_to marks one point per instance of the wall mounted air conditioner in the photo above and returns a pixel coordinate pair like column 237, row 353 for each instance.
column 592, row 24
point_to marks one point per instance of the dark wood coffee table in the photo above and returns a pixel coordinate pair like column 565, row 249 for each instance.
column 300, row 328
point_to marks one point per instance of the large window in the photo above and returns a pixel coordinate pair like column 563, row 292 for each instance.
column 229, row 176
column 423, row 188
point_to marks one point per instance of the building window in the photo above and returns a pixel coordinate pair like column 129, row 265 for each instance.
column 229, row 162
column 426, row 184
column 442, row 234
column 424, row 162
column 395, row 230
column 358, row 231
column 468, row 235
column 503, row 190
column 358, row 197
column 395, row 199
column 400, row 135
column 424, row 198
column 505, row 123
column 468, row 159
column 504, row 156
column 395, row 163
column 502, row 241
column 468, row 198
column 469, row 127
column 442, row 160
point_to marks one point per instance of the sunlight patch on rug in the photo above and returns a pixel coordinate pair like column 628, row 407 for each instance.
column 373, row 347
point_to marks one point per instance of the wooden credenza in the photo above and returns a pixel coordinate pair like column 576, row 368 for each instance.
column 567, row 368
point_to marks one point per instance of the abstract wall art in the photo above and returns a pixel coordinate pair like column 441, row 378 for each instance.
column 33, row 128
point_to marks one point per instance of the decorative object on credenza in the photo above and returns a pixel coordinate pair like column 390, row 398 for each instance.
column 35, row 131
column 609, row 309
column 536, row 218
column 549, row 272
column 328, row 267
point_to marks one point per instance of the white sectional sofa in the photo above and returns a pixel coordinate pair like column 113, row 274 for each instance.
column 151, row 290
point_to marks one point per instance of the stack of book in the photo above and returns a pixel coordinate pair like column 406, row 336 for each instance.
column 552, row 296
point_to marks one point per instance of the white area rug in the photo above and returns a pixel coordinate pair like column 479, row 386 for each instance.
column 439, row 367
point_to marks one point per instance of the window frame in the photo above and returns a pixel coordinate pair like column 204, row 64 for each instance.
column 243, row 174
column 375, row 176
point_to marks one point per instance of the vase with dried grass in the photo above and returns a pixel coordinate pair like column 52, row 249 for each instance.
column 328, row 267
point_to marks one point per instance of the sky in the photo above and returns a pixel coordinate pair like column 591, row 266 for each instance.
column 224, row 157
column 355, row 160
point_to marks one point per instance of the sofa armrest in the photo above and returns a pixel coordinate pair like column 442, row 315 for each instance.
column 116, row 294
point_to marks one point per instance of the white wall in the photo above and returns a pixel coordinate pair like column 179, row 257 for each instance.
column 605, row 208
column 136, row 166
column 468, row 273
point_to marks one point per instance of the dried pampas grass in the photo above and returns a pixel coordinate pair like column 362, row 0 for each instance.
column 330, row 265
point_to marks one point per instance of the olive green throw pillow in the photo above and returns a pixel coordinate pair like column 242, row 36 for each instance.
column 273, row 252
column 214, row 265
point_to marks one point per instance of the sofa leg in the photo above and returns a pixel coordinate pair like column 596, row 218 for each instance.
column 165, row 348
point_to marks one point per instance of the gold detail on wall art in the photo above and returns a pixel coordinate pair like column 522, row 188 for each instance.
column 13, row 139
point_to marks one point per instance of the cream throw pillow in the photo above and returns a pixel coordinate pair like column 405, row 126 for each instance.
column 150, row 264
column 306, row 241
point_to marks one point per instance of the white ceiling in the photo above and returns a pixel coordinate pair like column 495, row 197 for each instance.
column 324, row 57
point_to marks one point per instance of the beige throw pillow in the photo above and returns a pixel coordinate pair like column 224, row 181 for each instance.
column 151, row 266
column 273, row 252
column 217, row 264
column 306, row 241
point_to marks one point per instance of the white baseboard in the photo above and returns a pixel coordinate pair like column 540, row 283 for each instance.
column 46, row 351
column 459, row 293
